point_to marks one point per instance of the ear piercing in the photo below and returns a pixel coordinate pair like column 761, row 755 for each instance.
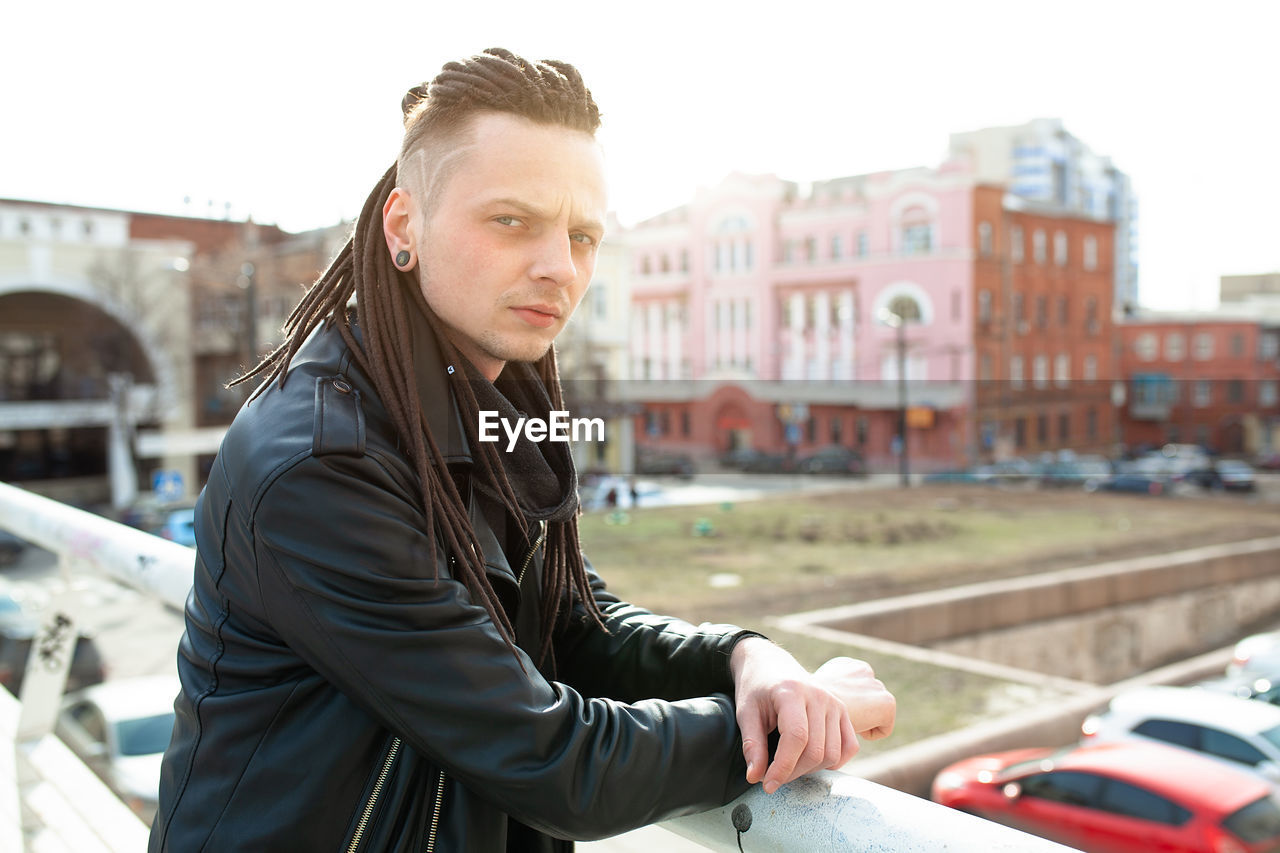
column 402, row 258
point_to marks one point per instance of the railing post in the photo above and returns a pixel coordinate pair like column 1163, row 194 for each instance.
column 49, row 661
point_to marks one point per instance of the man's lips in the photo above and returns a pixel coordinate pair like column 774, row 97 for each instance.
column 541, row 316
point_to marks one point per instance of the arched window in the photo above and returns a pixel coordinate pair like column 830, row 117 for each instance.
column 917, row 231
column 905, row 308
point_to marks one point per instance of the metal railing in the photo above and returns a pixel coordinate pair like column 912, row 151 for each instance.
column 822, row 811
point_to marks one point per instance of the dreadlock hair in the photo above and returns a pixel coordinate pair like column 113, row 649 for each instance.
column 435, row 114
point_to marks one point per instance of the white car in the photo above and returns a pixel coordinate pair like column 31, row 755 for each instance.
column 1229, row 728
column 120, row 729
column 1257, row 653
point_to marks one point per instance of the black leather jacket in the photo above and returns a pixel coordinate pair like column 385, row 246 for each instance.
column 335, row 696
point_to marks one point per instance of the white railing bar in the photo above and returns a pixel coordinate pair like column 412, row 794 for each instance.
column 89, row 542
column 834, row 811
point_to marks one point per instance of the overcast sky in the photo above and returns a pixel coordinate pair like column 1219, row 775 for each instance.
column 289, row 111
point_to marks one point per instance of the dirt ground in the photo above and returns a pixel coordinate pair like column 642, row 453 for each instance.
column 860, row 545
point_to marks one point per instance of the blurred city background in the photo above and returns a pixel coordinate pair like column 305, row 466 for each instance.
column 892, row 300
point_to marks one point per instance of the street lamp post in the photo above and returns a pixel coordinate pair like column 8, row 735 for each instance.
column 896, row 316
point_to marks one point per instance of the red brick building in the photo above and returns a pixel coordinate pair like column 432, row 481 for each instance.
column 1201, row 379
column 1043, row 331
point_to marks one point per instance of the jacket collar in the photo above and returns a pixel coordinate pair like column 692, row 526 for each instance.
column 431, row 374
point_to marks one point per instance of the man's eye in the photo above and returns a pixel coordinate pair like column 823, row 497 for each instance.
column 585, row 239
column 506, row 220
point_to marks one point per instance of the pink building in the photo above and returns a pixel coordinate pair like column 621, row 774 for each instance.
column 759, row 316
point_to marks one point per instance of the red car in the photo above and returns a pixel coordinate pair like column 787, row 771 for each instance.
column 1131, row 797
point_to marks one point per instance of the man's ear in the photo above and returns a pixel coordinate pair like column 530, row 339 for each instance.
column 397, row 227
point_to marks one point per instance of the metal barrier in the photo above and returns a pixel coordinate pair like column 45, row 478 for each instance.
column 822, row 811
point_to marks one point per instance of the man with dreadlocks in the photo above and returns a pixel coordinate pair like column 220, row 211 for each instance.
column 393, row 641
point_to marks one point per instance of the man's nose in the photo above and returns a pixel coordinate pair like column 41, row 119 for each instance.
column 554, row 260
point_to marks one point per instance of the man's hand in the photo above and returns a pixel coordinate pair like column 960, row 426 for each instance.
column 818, row 716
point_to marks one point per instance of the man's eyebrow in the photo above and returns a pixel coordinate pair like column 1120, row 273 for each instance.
column 590, row 223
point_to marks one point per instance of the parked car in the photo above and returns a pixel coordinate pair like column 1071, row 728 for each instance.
column 658, row 462
column 179, row 526
column 768, row 463
column 1237, row 731
column 738, row 457
column 1256, row 653
column 1133, row 482
column 1118, row 798
column 86, row 668
column 834, row 459
column 1236, row 476
column 1247, row 686
column 121, row 729
column 1087, row 472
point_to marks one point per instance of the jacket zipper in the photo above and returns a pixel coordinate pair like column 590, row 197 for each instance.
column 373, row 796
column 435, row 815
column 367, row 813
column 542, row 535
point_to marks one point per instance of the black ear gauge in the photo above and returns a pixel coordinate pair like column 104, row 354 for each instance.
column 402, row 258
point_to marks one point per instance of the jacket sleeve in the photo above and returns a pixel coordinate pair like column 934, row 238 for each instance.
column 642, row 655
column 346, row 576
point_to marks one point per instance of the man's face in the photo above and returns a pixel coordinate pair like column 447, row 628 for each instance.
column 509, row 243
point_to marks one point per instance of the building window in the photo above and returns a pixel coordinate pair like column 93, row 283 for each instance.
column 684, row 260
column 1091, row 316
column 1060, row 248
column 984, row 239
column 984, row 306
column 1038, row 245
column 686, row 425
column 1204, row 346
column 1064, row 310
column 1015, row 244
column 1040, row 371
column 1042, row 311
column 1175, row 346
column 1147, row 346
column 862, row 244
column 1202, row 393
column 1062, row 370
column 1091, row 424
column 1042, row 429
column 917, row 239
column 837, row 247
column 1064, row 428
column 1090, row 368
column 1235, row 390
column 1015, row 372
column 788, row 251
column 835, row 429
column 665, row 264
column 1090, row 253
column 810, row 249
column 1269, row 347
column 1237, row 345
column 1019, row 317
column 646, row 268
column 1267, row 393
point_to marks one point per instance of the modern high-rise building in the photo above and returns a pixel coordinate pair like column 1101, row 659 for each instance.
column 1042, row 162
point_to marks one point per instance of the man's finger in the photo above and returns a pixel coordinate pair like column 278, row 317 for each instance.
column 849, row 745
column 755, row 743
column 793, row 735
